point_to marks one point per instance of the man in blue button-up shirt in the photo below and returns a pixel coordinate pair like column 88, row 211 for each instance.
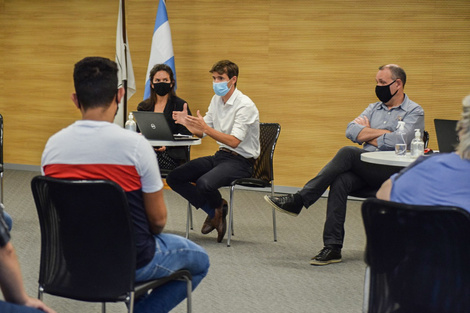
column 374, row 129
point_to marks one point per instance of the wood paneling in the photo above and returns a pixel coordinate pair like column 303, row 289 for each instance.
column 308, row 65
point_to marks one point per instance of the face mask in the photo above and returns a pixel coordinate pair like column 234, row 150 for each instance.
column 220, row 89
column 383, row 92
column 162, row 89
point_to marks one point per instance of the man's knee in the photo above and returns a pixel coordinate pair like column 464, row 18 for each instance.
column 172, row 179
column 203, row 185
column 349, row 150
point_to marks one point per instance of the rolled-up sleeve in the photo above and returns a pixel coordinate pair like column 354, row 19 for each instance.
column 353, row 129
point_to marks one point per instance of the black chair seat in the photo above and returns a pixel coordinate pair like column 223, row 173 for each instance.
column 251, row 182
column 366, row 192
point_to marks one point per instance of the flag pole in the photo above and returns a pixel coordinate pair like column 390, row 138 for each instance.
column 124, row 39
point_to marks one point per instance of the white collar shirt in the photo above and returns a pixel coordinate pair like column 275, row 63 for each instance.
column 238, row 117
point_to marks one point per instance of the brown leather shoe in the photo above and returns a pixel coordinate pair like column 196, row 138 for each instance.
column 220, row 220
column 207, row 226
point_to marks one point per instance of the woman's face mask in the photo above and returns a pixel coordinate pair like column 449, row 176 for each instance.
column 162, row 89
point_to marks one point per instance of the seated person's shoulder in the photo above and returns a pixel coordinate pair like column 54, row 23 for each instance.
column 145, row 105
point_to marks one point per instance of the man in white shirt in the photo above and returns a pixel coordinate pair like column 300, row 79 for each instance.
column 233, row 121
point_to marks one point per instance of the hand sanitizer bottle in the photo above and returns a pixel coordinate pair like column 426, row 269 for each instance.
column 130, row 124
column 400, row 145
column 417, row 145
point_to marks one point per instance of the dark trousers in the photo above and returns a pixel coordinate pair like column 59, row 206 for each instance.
column 344, row 174
column 199, row 180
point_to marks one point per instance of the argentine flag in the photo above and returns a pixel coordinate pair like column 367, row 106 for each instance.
column 162, row 47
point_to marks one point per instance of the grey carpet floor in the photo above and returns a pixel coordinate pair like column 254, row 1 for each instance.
column 255, row 274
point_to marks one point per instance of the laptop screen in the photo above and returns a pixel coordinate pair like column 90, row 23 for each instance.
column 447, row 138
column 154, row 126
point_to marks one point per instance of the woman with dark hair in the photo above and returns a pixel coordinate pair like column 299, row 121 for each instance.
column 163, row 99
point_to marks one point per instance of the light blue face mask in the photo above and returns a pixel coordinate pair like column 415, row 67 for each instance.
column 220, row 89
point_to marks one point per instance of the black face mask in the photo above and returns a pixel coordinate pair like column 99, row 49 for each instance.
column 162, row 89
column 383, row 92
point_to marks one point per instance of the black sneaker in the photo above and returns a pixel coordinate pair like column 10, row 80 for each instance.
column 327, row 256
column 286, row 204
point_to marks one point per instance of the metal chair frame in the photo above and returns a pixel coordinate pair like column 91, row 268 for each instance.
column 263, row 173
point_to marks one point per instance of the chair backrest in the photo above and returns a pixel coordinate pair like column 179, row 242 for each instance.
column 418, row 257
column 263, row 167
column 87, row 240
column 1, row 143
column 426, row 138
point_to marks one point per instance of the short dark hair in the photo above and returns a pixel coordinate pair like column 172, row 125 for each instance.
column 397, row 72
column 225, row 67
column 95, row 80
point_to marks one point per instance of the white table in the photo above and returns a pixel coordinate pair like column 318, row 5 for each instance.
column 176, row 143
column 387, row 158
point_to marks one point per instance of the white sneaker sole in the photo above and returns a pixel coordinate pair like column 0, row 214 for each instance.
column 278, row 208
column 319, row 263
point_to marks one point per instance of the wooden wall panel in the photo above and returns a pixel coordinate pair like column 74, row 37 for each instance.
column 308, row 65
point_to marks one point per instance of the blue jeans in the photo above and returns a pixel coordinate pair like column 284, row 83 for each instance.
column 8, row 220
column 172, row 253
column 6, row 307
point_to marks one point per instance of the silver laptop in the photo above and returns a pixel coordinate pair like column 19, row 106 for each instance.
column 154, row 126
column 447, row 138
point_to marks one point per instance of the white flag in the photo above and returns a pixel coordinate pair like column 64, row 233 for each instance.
column 162, row 47
column 125, row 70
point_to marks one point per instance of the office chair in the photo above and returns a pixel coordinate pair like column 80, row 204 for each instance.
column 418, row 258
column 87, row 243
column 263, row 172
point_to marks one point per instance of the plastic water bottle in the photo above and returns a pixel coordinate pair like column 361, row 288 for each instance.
column 130, row 124
column 400, row 145
column 417, row 145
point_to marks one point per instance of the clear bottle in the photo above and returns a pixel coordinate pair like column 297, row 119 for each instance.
column 400, row 144
column 130, row 124
column 417, row 145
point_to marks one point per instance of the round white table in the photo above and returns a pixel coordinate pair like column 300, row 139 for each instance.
column 387, row 158
column 176, row 143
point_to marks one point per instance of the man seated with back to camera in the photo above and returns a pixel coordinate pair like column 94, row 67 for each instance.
column 437, row 179
column 375, row 129
column 96, row 148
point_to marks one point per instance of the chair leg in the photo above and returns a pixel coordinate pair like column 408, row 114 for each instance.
column 103, row 307
column 1, row 190
column 365, row 304
column 131, row 303
column 274, row 216
column 190, row 215
column 189, row 220
column 189, row 286
column 230, row 217
column 40, row 292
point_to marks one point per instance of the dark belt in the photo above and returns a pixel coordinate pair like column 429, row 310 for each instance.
column 251, row 160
